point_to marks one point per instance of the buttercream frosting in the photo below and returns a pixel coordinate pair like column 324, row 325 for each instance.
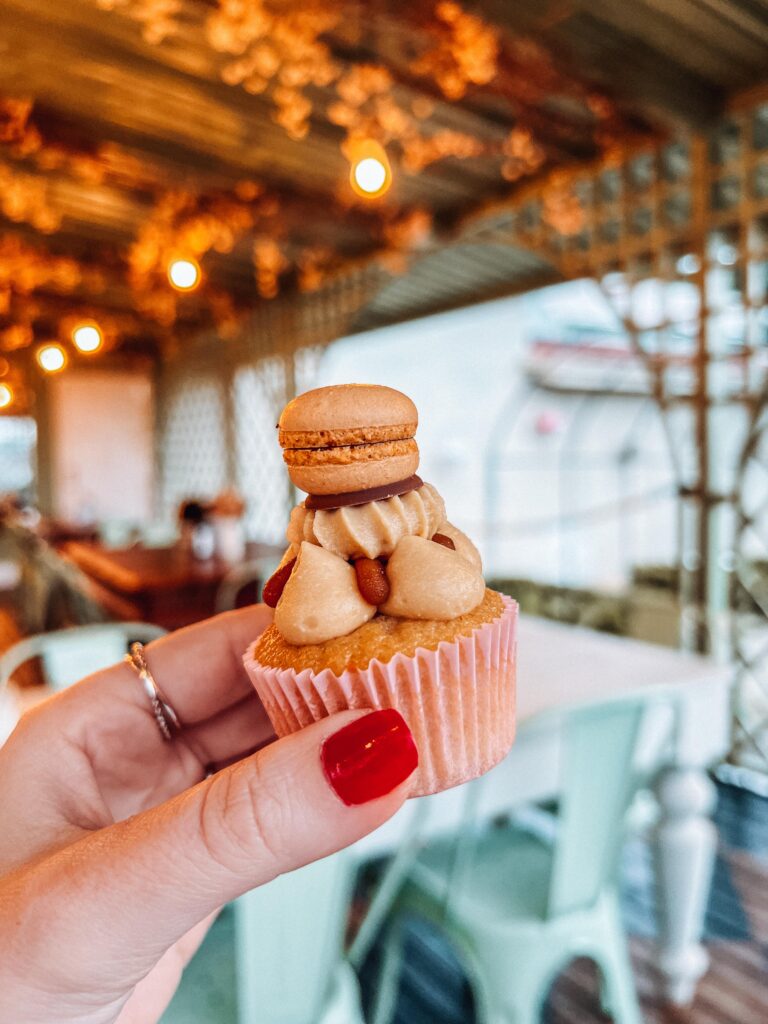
column 371, row 530
column 463, row 544
column 321, row 599
column 429, row 581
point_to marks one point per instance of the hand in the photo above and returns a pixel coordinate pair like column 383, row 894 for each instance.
column 116, row 851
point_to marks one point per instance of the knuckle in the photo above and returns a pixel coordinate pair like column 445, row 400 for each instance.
column 243, row 821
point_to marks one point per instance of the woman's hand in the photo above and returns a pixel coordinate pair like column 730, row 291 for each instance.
column 115, row 849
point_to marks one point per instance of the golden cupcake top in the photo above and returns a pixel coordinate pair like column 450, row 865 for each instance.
column 371, row 538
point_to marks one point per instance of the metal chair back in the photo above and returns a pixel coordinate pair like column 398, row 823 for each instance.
column 69, row 654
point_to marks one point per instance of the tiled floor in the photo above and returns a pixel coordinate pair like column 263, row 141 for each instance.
column 433, row 989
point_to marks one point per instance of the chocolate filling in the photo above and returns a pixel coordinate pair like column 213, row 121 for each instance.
column 324, row 502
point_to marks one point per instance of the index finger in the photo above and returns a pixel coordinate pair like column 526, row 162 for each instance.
column 199, row 669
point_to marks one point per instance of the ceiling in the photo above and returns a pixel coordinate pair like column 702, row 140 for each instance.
column 154, row 124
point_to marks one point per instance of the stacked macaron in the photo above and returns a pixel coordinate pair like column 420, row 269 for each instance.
column 348, row 438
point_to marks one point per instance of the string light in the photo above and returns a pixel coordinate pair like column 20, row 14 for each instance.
column 6, row 396
column 52, row 358
column 87, row 337
column 184, row 274
column 370, row 174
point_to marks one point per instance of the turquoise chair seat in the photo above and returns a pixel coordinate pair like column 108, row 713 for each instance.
column 504, row 853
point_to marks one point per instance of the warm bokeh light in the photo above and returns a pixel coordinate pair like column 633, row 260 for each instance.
column 52, row 358
column 184, row 274
column 370, row 174
column 6, row 395
column 87, row 338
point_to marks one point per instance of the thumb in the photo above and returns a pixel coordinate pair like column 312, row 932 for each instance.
column 117, row 899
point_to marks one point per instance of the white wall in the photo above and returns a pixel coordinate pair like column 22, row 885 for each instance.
column 101, row 426
column 580, row 505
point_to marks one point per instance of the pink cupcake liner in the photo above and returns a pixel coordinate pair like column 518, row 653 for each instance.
column 458, row 700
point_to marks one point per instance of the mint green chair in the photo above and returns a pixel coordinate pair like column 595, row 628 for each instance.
column 70, row 654
column 304, row 912
column 519, row 906
column 293, row 966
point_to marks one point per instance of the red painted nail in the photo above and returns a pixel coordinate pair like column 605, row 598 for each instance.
column 369, row 757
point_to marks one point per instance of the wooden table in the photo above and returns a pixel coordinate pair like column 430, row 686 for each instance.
column 165, row 585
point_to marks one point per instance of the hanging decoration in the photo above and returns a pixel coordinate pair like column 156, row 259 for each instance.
column 313, row 266
column 24, row 198
column 403, row 237
column 158, row 18
column 269, row 262
column 313, row 62
column 276, row 47
column 188, row 225
column 465, row 51
column 522, row 155
column 561, row 207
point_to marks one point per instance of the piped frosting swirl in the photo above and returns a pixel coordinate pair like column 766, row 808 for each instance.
column 372, row 530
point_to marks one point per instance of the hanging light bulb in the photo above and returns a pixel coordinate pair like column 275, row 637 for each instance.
column 52, row 358
column 370, row 173
column 184, row 274
column 87, row 337
column 6, row 396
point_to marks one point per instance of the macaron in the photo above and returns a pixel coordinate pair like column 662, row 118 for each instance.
column 349, row 437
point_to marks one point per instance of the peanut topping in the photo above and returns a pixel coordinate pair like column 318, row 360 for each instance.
column 275, row 585
column 372, row 580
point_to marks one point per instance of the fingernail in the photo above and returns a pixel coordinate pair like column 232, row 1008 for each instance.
column 369, row 757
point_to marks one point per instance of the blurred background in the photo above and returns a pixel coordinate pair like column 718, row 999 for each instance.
column 545, row 222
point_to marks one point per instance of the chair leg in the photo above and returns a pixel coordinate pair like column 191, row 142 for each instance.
column 385, row 999
column 523, row 1006
column 618, row 996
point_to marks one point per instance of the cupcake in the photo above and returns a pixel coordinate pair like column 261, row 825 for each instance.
column 379, row 600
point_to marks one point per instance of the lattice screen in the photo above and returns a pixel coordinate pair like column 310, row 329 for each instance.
column 193, row 443
column 258, row 394
column 750, row 599
column 217, row 429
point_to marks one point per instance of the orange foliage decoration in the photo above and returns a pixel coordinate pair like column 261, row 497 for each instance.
column 23, row 141
column 368, row 109
column 184, row 223
column 521, row 154
column 561, row 208
column 25, row 269
column 276, row 46
column 313, row 267
column 24, row 198
column 158, row 18
column 280, row 48
column 269, row 262
column 465, row 51
column 410, row 232
column 403, row 237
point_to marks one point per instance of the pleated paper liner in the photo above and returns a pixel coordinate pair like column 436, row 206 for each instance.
column 458, row 700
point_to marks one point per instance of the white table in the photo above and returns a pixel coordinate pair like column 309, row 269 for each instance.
column 561, row 666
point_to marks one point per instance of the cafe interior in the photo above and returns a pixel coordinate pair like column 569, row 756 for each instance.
column 546, row 223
